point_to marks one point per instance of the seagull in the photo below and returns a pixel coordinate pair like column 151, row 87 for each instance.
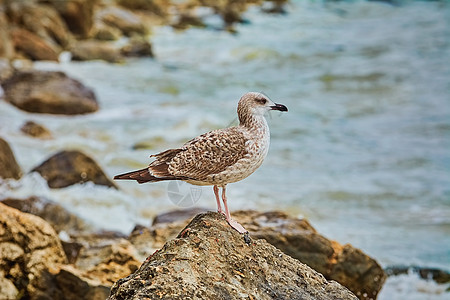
column 218, row 157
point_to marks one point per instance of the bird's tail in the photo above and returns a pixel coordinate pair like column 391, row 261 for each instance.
column 141, row 176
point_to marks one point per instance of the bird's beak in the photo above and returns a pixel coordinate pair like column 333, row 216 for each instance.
column 279, row 107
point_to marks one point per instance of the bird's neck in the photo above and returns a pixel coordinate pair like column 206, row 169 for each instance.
column 256, row 124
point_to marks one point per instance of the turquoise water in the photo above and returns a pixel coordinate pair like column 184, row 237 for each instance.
column 362, row 152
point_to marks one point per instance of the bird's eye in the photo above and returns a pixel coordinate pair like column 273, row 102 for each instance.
column 261, row 101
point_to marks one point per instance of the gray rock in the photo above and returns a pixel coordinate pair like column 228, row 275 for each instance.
column 210, row 260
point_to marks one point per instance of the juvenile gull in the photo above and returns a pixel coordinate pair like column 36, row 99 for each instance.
column 218, row 157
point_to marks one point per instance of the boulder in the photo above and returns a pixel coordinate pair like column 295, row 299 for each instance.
column 49, row 92
column 92, row 50
column 29, row 251
column 103, row 32
column 8, row 164
column 71, row 167
column 122, row 19
column 36, row 130
column 296, row 237
column 42, row 20
column 78, row 14
column 32, row 46
column 210, row 260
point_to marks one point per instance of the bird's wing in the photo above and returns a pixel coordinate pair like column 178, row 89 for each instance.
column 205, row 155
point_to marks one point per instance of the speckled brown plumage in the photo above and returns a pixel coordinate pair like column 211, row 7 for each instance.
column 220, row 156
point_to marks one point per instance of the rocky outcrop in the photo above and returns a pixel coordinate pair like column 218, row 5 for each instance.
column 210, row 260
column 29, row 251
column 49, row 92
column 36, row 130
column 31, row 45
column 8, row 164
column 295, row 237
column 71, row 167
column 77, row 14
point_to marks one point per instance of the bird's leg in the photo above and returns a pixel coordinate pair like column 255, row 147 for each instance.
column 216, row 192
column 230, row 221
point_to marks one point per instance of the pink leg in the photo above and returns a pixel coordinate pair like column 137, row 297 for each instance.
column 230, row 221
column 216, row 192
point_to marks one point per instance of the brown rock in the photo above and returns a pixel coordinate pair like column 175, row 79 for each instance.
column 53, row 213
column 92, row 50
column 75, row 285
column 42, row 20
column 29, row 251
column 296, row 237
column 210, row 260
column 8, row 164
column 48, row 92
column 78, row 14
column 137, row 47
column 124, row 20
column 6, row 45
column 105, row 32
column 32, row 45
column 158, row 7
column 36, row 130
column 71, row 167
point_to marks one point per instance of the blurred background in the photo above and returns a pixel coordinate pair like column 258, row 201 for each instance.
column 363, row 152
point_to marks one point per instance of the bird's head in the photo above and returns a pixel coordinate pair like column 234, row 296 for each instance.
column 254, row 103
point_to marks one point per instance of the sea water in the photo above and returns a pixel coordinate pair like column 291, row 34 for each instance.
column 363, row 152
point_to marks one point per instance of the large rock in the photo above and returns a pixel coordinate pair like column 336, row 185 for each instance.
column 32, row 46
column 71, row 167
column 78, row 14
column 295, row 237
column 95, row 50
column 158, row 7
column 8, row 164
column 49, row 92
column 29, row 251
column 210, row 260
column 42, row 20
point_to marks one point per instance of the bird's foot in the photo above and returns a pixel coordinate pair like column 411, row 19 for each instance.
column 220, row 211
column 236, row 226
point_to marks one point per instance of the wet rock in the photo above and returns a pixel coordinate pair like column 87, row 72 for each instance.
column 71, row 167
column 179, row 215
column 92, row 50
column 49, row 92
column 439, row 276
column 210, row 260
column 42, row 20
column 32, row 46
column 36, row 130
column 53, row 213
column 78, row 14
column 8, row 164
column 124, row 20
column 29, row 251
column 137, row 47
